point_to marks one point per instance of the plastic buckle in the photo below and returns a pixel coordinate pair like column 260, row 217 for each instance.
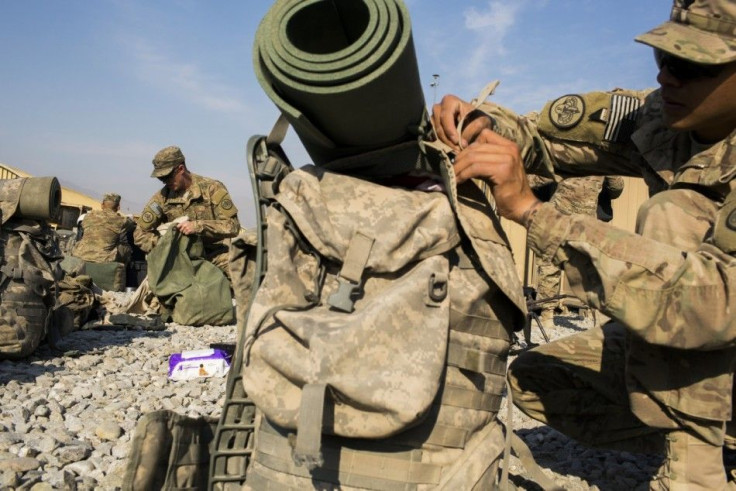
column 341, row 299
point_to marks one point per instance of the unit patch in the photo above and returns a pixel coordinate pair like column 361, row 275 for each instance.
column 622, row 118
column 567, row 111
column 226, row 204
column 731, row 220
column 724, row 230
column 147, row 217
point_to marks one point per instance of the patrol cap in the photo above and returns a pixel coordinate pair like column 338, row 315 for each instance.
column 701, row 31
column 112, row 197
column 165, row 161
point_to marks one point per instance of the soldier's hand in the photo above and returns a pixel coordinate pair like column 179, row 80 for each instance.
column 498, row 160
column 187, row 227
column 446, row 116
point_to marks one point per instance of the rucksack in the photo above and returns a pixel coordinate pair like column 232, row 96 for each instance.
column 28, row 272
column 374, row 328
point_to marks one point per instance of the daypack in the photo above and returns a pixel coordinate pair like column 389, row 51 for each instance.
column 27, row 279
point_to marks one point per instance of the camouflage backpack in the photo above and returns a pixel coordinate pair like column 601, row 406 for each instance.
column 29, row 269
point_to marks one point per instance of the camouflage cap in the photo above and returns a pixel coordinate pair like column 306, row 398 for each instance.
column 702, row 31
column 165, row 161
column 112, row 197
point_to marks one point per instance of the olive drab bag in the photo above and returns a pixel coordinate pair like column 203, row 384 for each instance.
column 192, row 289
column 27, row 285
column 351, row 323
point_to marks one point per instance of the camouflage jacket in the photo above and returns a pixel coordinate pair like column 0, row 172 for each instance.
column 207, row 203
column 673, row 283
column 105, row 237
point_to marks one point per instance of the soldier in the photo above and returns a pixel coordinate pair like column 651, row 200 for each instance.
column 574, row 195
column 105, row 234
column 659, row 376
column 205, row 202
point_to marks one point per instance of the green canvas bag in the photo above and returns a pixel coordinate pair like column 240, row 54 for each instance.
column 194, row 290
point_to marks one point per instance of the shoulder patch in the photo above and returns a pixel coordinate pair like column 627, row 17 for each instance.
column 226, row 204
column 567, row 111
column 622, row 119
column 147, row 217
column 724, row 230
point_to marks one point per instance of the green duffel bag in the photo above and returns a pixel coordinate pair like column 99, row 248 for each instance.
column 108, row 276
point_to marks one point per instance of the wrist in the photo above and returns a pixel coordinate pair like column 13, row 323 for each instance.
column 528, row 216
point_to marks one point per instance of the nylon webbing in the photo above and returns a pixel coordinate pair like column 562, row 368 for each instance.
column 475, row 360
column 470, row 399
column 309, row 428
column 379, row 467
column 479, row 326
column 356, row 257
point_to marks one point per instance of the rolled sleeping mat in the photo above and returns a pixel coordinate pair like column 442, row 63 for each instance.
column 344, row 74
column 36, row 198
column 40, row 198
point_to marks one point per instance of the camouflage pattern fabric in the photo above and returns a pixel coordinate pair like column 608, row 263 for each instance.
column 575, row 195
column 105, row 237
column 421, row 401
column 207, row 203
column 702, row 31
column 679, row 352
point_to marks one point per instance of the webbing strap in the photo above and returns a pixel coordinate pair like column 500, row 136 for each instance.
column 356, row 257
column 309, row 430
column 349, row 279
column 478, row 326
column 384, row 466
column 475, row 360
column 470, row 399
column 278, row 132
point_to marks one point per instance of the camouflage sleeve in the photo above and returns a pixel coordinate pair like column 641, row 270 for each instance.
column 576, row 135
column 663, row 294
column 145, row 235
column 225, row 224
column 125, row 251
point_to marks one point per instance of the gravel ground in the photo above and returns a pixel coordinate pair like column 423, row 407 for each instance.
column 67, row 416
column 573, row 466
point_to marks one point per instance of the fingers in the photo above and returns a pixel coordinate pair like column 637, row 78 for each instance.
column 445, row 117
column 491, row 156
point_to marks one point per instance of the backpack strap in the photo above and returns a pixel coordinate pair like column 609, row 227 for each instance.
column 349, row 279
column 307, row 450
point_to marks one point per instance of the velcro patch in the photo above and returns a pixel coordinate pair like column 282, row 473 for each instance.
column 724, row 231
column 622, row 119
column 567, row 111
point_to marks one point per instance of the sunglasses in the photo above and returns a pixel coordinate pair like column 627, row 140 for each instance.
column 168, row 176
column 684, row 70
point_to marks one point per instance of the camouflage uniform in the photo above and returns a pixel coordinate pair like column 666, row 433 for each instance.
column 660, row 377
column 207, row 203
column 105, row 237
column 575, row 195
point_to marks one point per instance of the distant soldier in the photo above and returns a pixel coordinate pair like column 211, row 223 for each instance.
column 105, row 234
column 574, row 195
column 206, row 204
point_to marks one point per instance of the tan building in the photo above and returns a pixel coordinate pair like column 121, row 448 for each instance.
column 73, row 203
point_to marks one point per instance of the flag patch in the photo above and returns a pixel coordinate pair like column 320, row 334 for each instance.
column 622, row 119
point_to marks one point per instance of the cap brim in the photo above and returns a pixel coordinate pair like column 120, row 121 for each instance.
column 690, row 43
column 164, row 171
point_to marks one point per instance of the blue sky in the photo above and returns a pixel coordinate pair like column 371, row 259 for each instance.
column 90, row 90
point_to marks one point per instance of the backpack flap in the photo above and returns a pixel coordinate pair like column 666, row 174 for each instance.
column 349, row 328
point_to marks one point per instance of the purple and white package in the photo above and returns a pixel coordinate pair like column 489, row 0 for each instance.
column 198, row 363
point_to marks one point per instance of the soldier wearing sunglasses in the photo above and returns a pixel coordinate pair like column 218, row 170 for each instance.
column 659, row 376
column 205, row 202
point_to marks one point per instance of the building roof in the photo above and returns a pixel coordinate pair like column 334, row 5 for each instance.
column 69, row 196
